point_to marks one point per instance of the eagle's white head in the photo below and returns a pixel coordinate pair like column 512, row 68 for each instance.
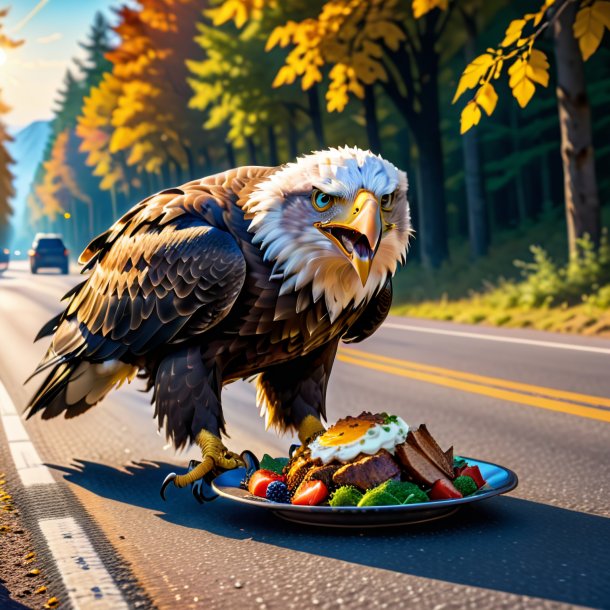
column 337, row 220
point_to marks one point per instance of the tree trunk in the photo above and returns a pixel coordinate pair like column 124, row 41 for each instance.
column 478, row 224
column 519, row 185
column 293, row 138
column 580, row 184
column 230, row 154
column 251, row 146
column 370, row 117
column 273, row 156
column 316, row 115
column 427, row 132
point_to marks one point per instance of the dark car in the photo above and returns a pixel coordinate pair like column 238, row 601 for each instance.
column 49, row 250
column 4, row 258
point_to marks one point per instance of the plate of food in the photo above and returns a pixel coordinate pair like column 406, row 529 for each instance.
column 366, row 471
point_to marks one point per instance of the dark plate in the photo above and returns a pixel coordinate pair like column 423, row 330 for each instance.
column 499, row 481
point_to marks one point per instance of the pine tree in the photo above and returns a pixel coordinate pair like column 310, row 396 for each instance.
column 97, row 46
column 68, row 104
column 6, row 177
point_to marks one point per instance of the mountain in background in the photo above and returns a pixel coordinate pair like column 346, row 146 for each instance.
column 27, row 150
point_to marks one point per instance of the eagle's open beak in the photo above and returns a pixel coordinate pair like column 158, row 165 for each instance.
column 358, row 234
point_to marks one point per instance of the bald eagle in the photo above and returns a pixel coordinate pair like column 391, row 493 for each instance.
column 256, row 271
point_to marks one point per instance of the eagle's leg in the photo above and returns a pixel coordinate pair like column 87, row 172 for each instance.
column 309, row 428
column 215, row 458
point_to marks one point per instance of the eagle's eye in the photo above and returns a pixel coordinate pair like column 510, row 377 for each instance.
column 386, row 201
column 321, row 201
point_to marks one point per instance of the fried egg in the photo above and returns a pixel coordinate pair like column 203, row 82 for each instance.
column 354, row 435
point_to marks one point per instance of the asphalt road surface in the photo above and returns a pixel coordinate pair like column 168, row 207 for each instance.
column 534, row 402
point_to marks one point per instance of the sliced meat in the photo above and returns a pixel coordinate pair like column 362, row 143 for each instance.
column 297, row 470
column 418, row 466
column 323, row 473
column 422, row 440
column 368, row 471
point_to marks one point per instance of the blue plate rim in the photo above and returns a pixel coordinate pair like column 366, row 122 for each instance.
column 508, row 486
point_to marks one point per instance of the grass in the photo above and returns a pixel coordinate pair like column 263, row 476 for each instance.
column 546, row 293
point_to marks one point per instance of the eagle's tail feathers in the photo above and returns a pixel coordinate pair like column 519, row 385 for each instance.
column 76, row 385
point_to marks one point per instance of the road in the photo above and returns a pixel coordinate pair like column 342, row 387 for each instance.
column 534, row 402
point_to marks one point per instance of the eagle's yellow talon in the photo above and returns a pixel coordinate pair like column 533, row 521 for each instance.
column 215, row 456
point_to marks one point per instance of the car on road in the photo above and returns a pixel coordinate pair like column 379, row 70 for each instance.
column 48, row 251
column 4, row 259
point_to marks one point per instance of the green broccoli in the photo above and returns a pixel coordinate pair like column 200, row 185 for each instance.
column 274, row 464
column 347, row 495
column 404, row 492
column 378, row 497
column 465, row 485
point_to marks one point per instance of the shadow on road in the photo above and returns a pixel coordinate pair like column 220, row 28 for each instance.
column 507, row 544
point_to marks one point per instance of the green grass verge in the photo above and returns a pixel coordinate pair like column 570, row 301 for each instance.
column 546, row 293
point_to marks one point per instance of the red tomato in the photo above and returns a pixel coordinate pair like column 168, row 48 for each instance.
column 475, row 474
column 259, row 481
column 310, row 493
column 444, row 490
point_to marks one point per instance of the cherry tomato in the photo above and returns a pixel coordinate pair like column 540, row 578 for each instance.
column 259, row 481
column 310, row 493
column 444, row 490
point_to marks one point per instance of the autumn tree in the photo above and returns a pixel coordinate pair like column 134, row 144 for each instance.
column 233, row 86
column 6, row 179
column 152, row 123
column 387, row 44
column 578, row 28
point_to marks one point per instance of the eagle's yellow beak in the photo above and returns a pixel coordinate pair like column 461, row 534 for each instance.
column 357, row 234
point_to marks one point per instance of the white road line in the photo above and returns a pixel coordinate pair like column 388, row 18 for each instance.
column 29, row 466
column 87, row 580
column 89, row 584
column 484, row 337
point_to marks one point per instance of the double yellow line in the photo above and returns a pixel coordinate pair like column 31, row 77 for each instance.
column 514, row 391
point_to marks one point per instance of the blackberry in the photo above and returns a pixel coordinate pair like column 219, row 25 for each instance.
column 278, row 492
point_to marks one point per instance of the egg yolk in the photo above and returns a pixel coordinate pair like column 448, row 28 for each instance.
column 345, row 432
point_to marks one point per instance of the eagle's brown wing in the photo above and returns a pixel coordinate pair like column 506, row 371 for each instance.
column 372, row 317
column 160, row 275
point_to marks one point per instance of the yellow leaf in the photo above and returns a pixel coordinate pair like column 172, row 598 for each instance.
column 513, row 32
column 588, row 31
column 280, row 35
column 538, row 68
column 487, row 98
column 285, row 76
column 521, row 85
column 421, row 7
column 601, row 12
column 474, row 72
column 471, row 115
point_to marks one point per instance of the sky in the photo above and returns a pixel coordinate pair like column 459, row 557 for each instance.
column 33, row 73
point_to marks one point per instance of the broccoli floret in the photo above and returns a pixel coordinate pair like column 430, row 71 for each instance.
column 465, row 485
column 404, row 492
column 378, row 497
column 416, row 497
column 347, row 495
column 274, row 464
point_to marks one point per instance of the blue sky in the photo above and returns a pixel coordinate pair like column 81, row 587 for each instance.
column 31, row 75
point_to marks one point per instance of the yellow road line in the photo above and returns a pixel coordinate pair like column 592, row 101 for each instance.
column 525, row 399
column 599, row 401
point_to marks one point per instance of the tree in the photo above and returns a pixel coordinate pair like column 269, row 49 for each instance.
column 152, row 124
column 6, row 177
column 369, row 43
column 233, row 85
column 575, row 25
column 96, row 47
